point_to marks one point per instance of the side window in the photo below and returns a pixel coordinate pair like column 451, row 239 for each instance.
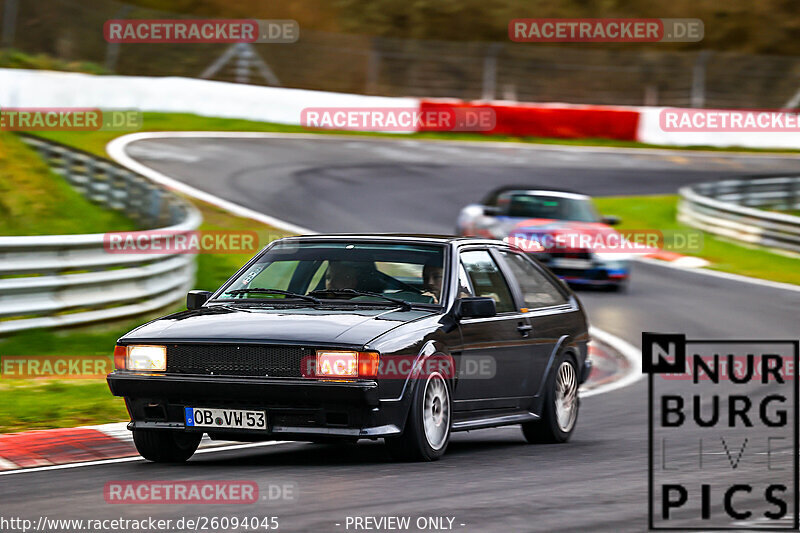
column 487, row 280
column 537, row 290
column 464, row 288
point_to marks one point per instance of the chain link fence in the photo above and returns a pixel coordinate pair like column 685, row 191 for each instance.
column 73, row 31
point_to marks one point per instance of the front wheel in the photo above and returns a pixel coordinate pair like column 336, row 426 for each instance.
column 427, row 430
column 166, row 446
column 560, row 410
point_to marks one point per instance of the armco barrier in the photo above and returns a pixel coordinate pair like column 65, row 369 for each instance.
column 61, row 280
column 730, row 209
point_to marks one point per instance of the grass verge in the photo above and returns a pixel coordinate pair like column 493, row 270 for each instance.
column 35, row 201
column 660, row 212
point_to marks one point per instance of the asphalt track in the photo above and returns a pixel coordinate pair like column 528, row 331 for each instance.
column 490, row 480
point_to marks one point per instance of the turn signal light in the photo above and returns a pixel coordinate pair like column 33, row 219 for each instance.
column 120, row 356
column 346, row 364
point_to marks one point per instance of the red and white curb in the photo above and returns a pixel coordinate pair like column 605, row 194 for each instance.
column 676, row 259
column 50, row 447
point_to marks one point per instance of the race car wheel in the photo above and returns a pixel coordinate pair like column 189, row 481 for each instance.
column 427, row 430
column 166, row 446
column 560, row 410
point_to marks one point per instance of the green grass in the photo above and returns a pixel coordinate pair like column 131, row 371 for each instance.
column 10, row 58
column 46, row 404
column 35, row 201
column 659, row 212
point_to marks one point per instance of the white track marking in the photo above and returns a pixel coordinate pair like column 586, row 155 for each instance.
column 723, row 275
column 628, row 351
column 401, row 138
column 116, row 149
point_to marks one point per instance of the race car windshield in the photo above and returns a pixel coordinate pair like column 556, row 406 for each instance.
column 374, row 273
column 548, row 207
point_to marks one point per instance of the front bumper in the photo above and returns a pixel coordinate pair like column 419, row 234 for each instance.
column 296, row 408
column 591, row 276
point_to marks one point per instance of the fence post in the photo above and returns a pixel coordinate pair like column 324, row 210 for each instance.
column 490, row 72
column 698, row 96
column 9, row 22
column 373, row 67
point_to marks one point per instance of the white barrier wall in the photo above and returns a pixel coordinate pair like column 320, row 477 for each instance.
column 38, row 88
column 649, row 131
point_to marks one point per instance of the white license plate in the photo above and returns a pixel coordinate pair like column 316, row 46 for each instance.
column 225, row 418
column 565, row 262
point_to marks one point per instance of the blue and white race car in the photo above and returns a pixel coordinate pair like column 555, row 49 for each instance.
column 561, row 229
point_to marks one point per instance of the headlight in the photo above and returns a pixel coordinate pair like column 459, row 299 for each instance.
column 146, row 357
column 346, row 364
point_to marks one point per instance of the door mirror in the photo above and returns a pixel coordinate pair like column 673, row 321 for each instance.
column 476, row 307
column 611, row 220
column 491, row 210
column 196, row 299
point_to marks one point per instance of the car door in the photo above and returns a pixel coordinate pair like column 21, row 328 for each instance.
column 545, row 304
column 499, row 342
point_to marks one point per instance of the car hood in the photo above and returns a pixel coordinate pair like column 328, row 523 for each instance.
column 304, row 325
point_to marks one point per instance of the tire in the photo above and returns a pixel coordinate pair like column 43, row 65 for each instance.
column 166, row 446
column 427, row 430
column 558, row 419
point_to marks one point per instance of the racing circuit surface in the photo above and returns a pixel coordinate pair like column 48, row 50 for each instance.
column 490, row 480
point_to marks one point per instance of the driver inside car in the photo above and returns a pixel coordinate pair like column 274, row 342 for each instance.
column 341, row 275
column 432, row 281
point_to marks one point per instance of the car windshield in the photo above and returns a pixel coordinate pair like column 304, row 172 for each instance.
column 353, row 271
column 545, row 206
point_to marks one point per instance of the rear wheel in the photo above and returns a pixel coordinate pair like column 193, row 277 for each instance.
column 427, row 430
column 560, row 410
column 166, row 446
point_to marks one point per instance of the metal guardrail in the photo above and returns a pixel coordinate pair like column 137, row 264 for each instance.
column 61, row 280
column 736, row 209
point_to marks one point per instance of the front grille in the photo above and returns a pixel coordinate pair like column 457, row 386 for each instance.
column 237, row 359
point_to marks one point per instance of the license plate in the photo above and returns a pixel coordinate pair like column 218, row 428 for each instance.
column 225, row 418
column 564, row 262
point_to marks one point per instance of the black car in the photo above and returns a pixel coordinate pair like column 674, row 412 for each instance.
column 347, row 337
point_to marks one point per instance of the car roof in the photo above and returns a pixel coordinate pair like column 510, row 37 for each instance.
column 395, row 237
column 491, row 198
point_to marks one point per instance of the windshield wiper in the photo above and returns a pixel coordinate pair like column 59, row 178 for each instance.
column 288, row 294
column 354, row 292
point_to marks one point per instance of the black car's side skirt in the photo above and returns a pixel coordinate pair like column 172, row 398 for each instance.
column 505, row 420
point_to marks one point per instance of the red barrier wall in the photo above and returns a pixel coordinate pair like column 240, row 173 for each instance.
column 550, row 120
